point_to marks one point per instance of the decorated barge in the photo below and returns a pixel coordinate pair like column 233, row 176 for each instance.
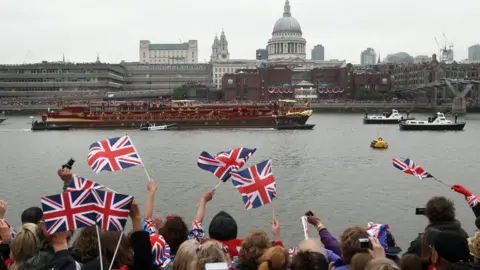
column 185, row 114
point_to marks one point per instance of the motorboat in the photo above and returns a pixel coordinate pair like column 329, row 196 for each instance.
column 285, row 127
column 387, row 118
column 154, row 127
column 43, row 126
column 437, row 122
column 379, row 144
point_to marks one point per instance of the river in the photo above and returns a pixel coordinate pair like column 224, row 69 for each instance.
column 330, row 170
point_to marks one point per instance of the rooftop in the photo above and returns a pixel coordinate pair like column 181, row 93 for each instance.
column 169, row 47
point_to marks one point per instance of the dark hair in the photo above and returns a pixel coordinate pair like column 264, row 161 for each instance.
column 109, row 240
column 309, row 260
column 440, row 209
column 410, row 262
column 350, row 244
column 175, row 233
column 32, row 215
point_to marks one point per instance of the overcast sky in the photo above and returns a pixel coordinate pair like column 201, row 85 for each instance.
column 35, row 30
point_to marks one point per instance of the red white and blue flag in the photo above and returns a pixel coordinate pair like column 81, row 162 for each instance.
column 113, row 155
column 69, row 211
column 379, row 231
column 256, row 184
column 409, row 167
column 82, row 183
column 112, row 209
column 160, row 249
column 224, row 163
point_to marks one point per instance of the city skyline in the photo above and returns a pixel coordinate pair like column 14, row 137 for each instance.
column 39, row 31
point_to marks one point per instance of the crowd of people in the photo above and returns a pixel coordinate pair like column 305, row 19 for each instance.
column 443, row 244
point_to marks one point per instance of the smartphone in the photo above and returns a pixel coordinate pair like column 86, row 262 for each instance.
column 309, row 213
column 364, row 242
column 420, row 211
column 216, row 266
column 236, row 263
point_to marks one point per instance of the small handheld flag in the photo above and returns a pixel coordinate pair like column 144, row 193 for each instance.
column 112, row 209
column 224, row 163
column 256, row 184
column 408, row 166
column 82, row 183
column 113, row 155
column 305, row 226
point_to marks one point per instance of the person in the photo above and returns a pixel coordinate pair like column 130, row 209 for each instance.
column 449, row 250
column 275, row 258
column 309, row 260
column 350, row 245
column 381, row 264
column 472, row 200
column 326, row 237
column 211, row 252
column 440, row 213
column 223, row 228
column 474, row 247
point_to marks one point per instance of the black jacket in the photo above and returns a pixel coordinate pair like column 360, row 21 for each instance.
column 42, row 261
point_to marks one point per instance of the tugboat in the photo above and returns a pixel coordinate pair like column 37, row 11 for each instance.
column 149, row 127
column 41, row 126
column 379, row 144
column 438, row 122
column 387, row 118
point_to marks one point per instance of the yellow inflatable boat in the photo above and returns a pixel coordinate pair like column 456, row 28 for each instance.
column 379, row 144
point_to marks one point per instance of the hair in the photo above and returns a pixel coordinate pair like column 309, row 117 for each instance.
column 25, row 245
column 86, row 244
column 109, row 241
column 360, row 260
column 186, row 256
column 381, row 264
column 309, row 260
column 32, row 215
column 440, row 209
column 410, row 262
column 312, row 245
column 253, row 246
column 425, row 251
column 350, row 244
column 211, row 252
column 275, row 258
column 474, row 245
column 175, row 233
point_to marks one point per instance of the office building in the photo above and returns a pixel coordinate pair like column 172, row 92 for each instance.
column 318, row 52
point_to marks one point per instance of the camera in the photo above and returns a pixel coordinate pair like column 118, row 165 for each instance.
column 69, row 164
column 420, row 211
column 364, row 242
column 309, row 213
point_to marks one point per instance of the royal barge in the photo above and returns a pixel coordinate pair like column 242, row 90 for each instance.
column 185, row 114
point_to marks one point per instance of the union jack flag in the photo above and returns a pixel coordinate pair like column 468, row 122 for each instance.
column 224, row 163
column 113, row 155
column 196, row 231
column 256, row 184
column 293, row 251
column 160, row 249
column 13, row 233
column 69, row 211
column 112, row 208
column 409, row 167
column 379, row 231
column 149, row 226
column 82, row 183
column 472, row 200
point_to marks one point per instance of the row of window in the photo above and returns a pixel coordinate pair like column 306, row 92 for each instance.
column 60, row 71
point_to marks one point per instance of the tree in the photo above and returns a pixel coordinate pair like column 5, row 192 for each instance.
column 179, row 93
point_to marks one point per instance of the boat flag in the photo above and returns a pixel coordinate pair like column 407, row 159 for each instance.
column 224, row 163
column 256, row 184
column 113, row 155
column 409, row 167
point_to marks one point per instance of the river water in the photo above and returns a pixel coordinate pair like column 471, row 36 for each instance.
column 330, row 170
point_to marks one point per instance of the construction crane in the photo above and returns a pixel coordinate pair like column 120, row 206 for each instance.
column 445, row 50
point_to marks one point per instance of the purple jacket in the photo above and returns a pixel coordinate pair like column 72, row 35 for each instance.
column 331, row 256
column 330, row 242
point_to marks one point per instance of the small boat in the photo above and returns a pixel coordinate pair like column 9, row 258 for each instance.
column 156, row 128
column 387, row 118
column 379, row 144
column 41, row 126
column 2, row 119
column 285, row 127
column 438, row 122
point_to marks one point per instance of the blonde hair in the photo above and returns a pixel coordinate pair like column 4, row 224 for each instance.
column 25, row 245
column 186, row 255
column 360, row 261
column 381, row 264
column 312, row 245
column 275, row 258
column 211, row 252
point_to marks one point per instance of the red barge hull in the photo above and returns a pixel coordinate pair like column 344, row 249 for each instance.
column 250, row 122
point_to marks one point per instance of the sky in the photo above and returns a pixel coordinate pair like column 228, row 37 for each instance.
column 34, row 30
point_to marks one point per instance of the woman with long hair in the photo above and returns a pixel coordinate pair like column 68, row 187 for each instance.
column 25, row 245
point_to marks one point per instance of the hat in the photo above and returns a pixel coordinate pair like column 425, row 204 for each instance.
column 223, row 227
column 160, row 249
column 149, row 226
column 474, row 245
column 449, row 245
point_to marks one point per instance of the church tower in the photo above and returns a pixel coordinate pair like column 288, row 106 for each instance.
column 215, row 49
column 220, row 49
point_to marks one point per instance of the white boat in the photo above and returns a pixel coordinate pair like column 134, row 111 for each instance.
column 438, row 122
column 387, row 118
column 157, row 128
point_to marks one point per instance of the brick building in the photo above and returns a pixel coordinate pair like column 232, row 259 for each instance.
column 333, row 82
column 258, row 84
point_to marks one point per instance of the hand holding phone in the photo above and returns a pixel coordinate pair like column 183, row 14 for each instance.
column 364, row 243
column 309, row 213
